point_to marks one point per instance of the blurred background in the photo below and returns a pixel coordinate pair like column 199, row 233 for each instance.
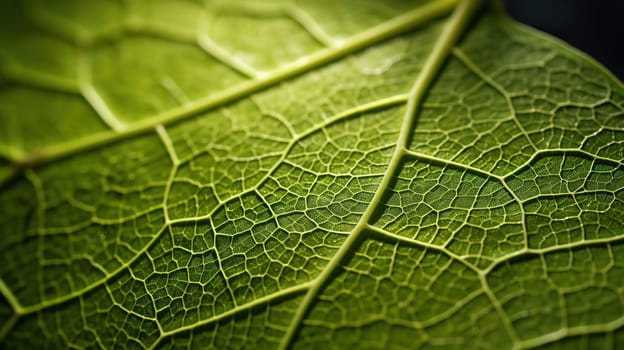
column 593, row 26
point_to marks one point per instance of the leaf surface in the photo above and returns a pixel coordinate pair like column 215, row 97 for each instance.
column 304, row 174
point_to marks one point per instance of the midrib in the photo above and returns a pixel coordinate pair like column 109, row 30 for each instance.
column 452, row 31
column 376, row 34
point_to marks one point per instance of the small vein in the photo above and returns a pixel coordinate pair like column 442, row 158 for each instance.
column 41, row 80
column 174, row 90
column 277, row 116
column 228, row 286
column 37, row 185
column 364, row 39
column 216, row 51
column 569, row 332
column 10, row 298
column 257, row 302
column 452, row 163
column 96, row 101
column 450, row 34
column 512, row 27
column 165, row 201
column 384, row 233
column 385, row 102
column 562, row 151
column 310, row 25
column 501, row 179
column 109, row 291
column 468, row 63
column 498, row 307
column 375, row 34
column 48, row 303
column 7, row 326
column 377, row 104
column 557, row 248
column 166, row 140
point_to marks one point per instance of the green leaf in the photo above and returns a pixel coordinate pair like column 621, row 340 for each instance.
column 304, row 174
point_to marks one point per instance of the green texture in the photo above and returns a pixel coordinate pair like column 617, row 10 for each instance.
column 304, row 174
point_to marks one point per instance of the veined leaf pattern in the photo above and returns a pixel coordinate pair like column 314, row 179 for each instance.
column 304, row 174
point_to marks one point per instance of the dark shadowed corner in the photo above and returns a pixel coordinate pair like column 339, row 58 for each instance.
column 594, row 27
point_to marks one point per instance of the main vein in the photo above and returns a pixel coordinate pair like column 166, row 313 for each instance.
column 388, row 29
column 443, row 47
column 362, row 40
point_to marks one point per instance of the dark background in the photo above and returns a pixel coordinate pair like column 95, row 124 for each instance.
column 593, row 26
